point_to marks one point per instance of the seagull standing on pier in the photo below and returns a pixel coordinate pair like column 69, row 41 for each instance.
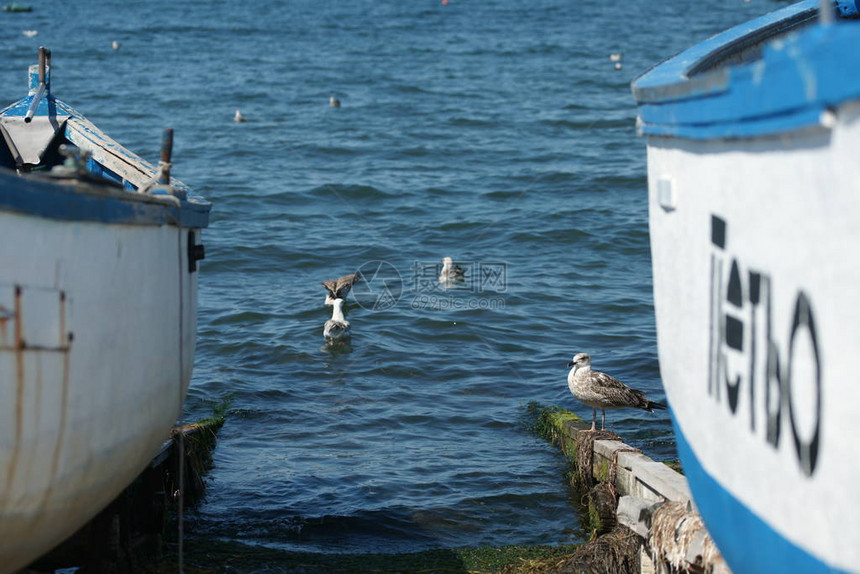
column 339, row 288
column 600, row 391
column 336, row 328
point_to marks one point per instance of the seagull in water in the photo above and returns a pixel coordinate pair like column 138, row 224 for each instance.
column 600, row 391
column 333, row 102
column 339, row 288
column 451, row 273
column 238, row 117
column 336, row 328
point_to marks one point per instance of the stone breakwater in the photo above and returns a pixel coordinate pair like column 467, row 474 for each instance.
column 640, row 511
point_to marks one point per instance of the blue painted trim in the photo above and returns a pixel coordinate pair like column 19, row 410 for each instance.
column 671, row 79
column 96, row 168
column 786, row 89
column 746, row 541
column 47, row 107
column 848, row 7
column 747, row 129
column 77, row 205
column 44, row 198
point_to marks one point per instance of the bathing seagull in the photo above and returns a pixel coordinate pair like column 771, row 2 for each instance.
column 451, row 273
column 336, row 328
column 600, row 391
column 339, row 288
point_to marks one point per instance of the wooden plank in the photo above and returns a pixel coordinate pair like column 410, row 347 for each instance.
column 654, row 502
column 637, row 474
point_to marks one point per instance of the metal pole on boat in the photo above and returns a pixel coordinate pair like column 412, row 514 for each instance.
column 37, row 97
column 166, row 152
column 825, row 12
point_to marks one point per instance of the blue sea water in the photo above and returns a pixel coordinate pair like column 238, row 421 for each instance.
column 496, row 132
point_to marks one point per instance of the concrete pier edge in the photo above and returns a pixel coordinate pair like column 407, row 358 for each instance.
column 651, row 502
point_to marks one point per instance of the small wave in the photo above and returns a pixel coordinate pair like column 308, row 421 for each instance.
column 463, row 122
column 461, row 226
column 349, row 191
column 595, row 124
column 568, row 236
column 239, row 318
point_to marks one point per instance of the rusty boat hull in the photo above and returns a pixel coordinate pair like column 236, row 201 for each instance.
column 98, row 313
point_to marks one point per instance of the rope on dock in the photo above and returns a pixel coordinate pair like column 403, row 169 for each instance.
column 616, row 552
column 641, row 501
column 602, row 505
column 679, row 538
column 585, row 455
column 613, row 467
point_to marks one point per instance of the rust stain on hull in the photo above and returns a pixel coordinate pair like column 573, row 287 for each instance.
column 64, row 345
column 4, row 321
column 19, row 390
column 36, row 353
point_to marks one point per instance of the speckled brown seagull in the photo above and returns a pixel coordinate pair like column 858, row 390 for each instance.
column 338, row 289
column 600, row 391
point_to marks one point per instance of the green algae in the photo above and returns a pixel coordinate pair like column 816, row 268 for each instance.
column 215, row 557
column 601, row 473
column 550, row 423
column 210, row 556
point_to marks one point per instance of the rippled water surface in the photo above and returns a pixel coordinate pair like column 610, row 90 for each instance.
column 496, row 132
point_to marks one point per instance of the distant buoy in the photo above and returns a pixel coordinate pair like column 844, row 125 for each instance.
column 444, row 2
column 17, row 8
column 238, row 117
column 618, row 65
column 334, row 102
column 114, row 45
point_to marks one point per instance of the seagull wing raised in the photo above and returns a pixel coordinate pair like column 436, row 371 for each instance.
column 344, row 284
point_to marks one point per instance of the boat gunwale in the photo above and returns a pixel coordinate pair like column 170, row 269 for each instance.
column 694, row 72
column 186, row 208
column 70, row 199
column 797, row 83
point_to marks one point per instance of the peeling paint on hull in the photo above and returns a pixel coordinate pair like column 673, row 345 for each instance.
column 94, row 364
column 98, row 316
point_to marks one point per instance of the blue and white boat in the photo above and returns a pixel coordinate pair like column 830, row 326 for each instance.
column 754, row 201
column 99, row 254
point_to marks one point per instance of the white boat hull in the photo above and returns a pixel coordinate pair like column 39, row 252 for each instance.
column 755, row 249
column 98, row 313
column 96, row 351
column 754, row 191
